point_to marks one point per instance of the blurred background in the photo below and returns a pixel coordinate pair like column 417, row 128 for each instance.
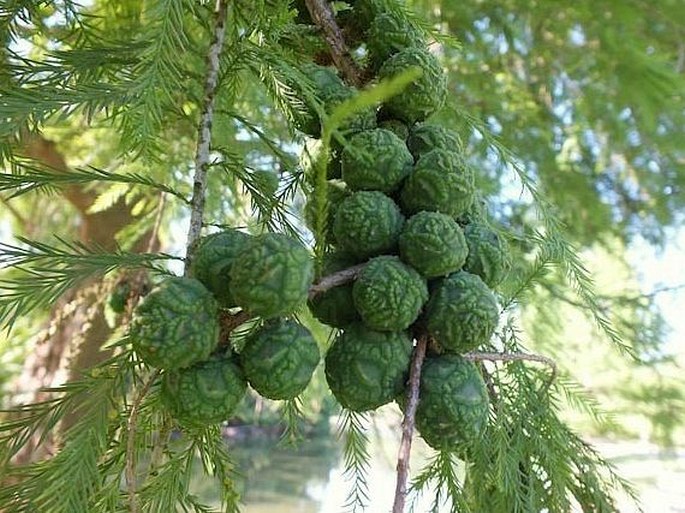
column 587, row 97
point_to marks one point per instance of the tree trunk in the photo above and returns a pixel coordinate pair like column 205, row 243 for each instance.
column 77, row 328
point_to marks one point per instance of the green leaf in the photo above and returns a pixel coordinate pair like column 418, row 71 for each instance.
column 45, row 272
column 70, row 480
column 353, row 430
column 108, row 198
column 29, row 176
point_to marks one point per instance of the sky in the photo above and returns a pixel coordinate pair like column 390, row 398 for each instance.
column 661, row 269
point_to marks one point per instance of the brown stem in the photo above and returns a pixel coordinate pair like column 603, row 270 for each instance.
column 322, row 14
column 131, row 427
column 204, row 135
column 408, row 424
column 490, row 386
column 230, row 321
column 335, row 280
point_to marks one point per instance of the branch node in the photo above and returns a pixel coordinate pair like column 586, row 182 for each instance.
column 230, row 321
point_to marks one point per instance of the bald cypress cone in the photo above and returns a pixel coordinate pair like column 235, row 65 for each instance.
column 366, row 369
column 440, row 182
column 426, row 137
column 279, row 359
column 176, row 324
column 390, row 33
column 388, row 294
column 271, row 275
column 206, row 393
column 367, row 223
column 433, row 244
column 453, row 404
column 375, row 160
column 462, row 313
column 212, row 262
column 425, row 96
column 488, row 256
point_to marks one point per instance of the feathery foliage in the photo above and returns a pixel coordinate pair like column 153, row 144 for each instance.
column 353, row 431
column 59, row 268
column 528, row 459
column 47, row 485
column 292, row 417
column 440, row 476
column 29, row 177
column 553, row 244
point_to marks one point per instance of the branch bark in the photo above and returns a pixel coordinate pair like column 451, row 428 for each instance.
column 335, row 280
column 408, row 424
column 230, row 321
column 204, row 135
column 322, row 14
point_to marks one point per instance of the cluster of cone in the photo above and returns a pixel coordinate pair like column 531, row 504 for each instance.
column 401, row 199
column 176, row 327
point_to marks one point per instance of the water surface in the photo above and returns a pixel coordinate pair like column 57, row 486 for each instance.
column 309, row 478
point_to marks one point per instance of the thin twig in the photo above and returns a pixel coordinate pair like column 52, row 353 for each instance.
column 159, row 446
column 408, row 424
column 335, row 280
column 322, row 14
column 230, row 321
column 131, row 427
column 205, row 132
column 554, row 292
column 490, row 386
column 476, row 356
